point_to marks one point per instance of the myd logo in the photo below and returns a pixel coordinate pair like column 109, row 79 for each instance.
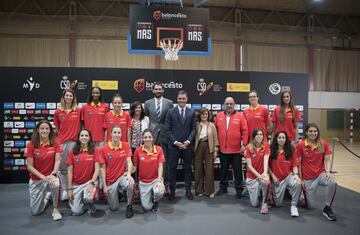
column 139, row 85
column 30, row 84
column 157, row 15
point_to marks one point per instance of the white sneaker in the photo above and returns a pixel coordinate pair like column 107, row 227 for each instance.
column 294, row 211
column 56, row 214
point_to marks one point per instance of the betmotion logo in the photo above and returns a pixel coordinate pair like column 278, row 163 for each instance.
column 141, row 85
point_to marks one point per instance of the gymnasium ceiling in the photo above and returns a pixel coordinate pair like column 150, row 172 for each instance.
column 341, row 17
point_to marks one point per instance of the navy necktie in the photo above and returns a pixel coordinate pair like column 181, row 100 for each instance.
column 182, row 114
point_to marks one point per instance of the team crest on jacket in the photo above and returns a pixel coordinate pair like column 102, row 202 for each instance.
column 307, row 153
column 89, row 113
column 62, row 117
column 37, row 153
column 142, row 158
column 109, row 157
column 253, row 154
column 77, row 159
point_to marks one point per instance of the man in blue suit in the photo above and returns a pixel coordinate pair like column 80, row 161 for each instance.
column 180, row 124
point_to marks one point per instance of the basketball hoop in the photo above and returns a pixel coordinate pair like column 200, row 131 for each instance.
column 171, row 47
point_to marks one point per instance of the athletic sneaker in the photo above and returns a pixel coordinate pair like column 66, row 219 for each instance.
column 92, row 208
column 294, row 211
column 155, row 207
column 56, row 214
column 212, row 195
column 264, row 209
column 329, row 214
column 129, row 211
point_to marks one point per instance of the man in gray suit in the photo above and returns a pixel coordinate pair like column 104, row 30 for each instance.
column 156, row 109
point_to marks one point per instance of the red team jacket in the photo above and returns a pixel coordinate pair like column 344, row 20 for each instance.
column 230, row 138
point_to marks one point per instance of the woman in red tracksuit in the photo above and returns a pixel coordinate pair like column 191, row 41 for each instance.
column 83, row 172
column 43, row 162
column 286, row 117
column 67, row 123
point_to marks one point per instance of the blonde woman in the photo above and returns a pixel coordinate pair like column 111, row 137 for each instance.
column 67, row 123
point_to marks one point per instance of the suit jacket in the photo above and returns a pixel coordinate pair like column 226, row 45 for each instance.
column 157, row 125
column 211, row 135
column 177, row 131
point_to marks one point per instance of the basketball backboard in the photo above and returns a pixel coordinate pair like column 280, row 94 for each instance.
column 150, row 24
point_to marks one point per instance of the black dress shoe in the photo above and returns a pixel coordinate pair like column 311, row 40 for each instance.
column 221, row 192
column 189, row 195
column 129, row 211
column 166, row 192
column 171, row 196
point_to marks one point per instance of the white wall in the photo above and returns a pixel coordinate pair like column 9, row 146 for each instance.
column 334, row 100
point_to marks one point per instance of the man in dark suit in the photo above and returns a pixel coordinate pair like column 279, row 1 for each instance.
column 180, row 124
column 156, row 109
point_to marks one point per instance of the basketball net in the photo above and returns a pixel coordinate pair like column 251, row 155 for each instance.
column 171, row 47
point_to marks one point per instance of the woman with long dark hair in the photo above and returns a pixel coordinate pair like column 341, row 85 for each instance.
column 286, row 117
column 148, row 162
column 315, row 164
column 93, row 114
column 257, row 178
column 43, row 162
column 83, row 172
column 140, row 124
column 67, row 123
column 284, row 171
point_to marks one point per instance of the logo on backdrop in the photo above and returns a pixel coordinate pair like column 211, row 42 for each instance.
column 66, row 84
column 157, row 15
column 141, row 85
column 202, row 87
column 275, row 88
column 30, row 84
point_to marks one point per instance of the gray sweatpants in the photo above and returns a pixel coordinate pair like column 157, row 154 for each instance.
column 40, row 190
column 255, row 186
column 278, row 191
column 67, row 147
column 82, row 198
column 150, row 193
column 310, row 188
column 120, row 185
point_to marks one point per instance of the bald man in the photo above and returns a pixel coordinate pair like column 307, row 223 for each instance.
column 233, row 136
